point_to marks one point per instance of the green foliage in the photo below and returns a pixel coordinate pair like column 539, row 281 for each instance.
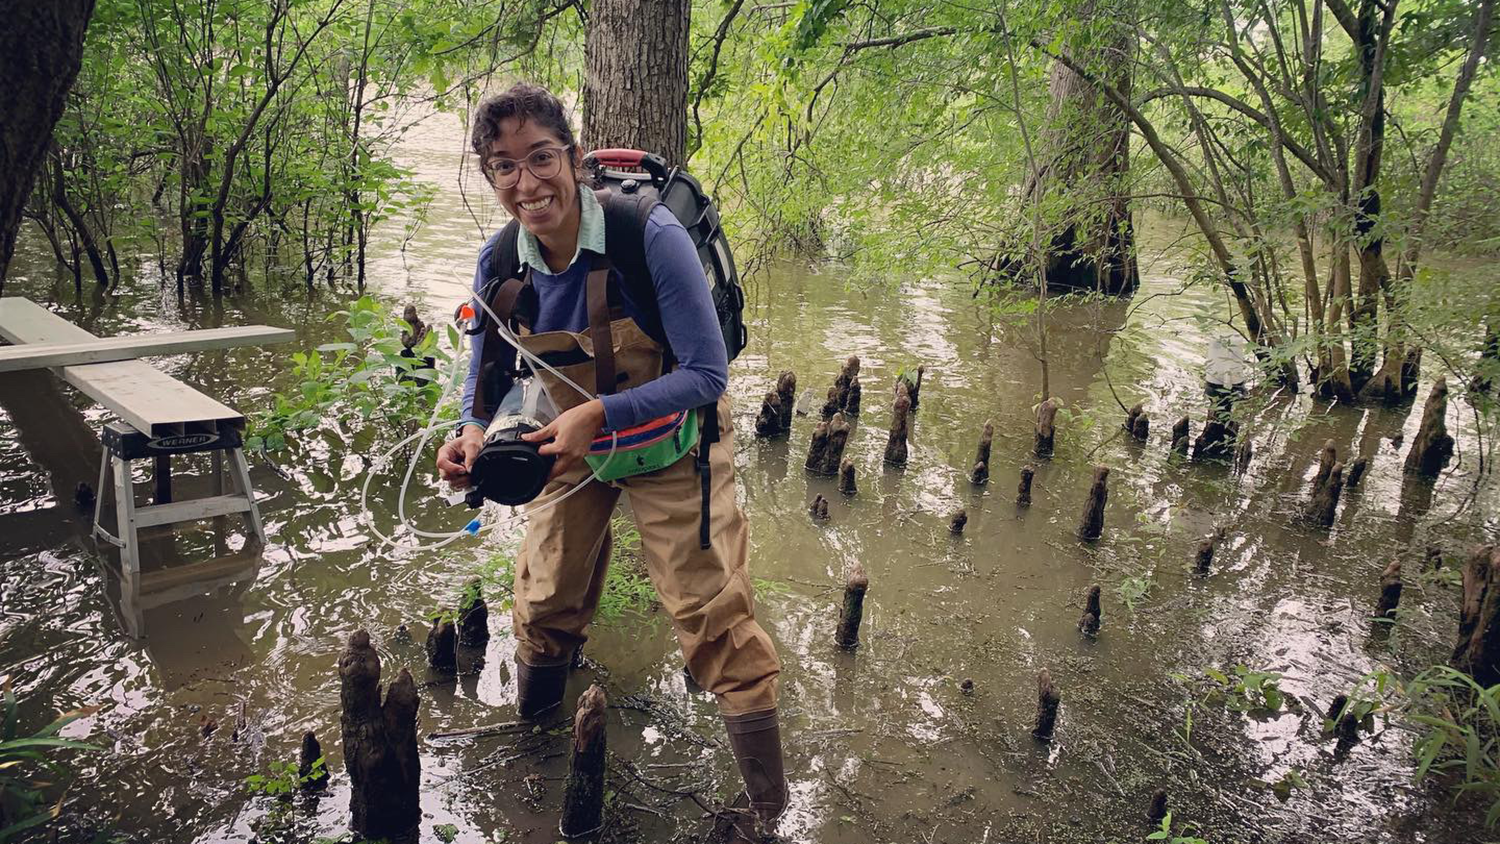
column 1183, row 835
column 281, row 782
column 1247, row 690
column 28, row 766
column 283, row 778
column 364, row 379
column 1133, row 588
column 1462, row 739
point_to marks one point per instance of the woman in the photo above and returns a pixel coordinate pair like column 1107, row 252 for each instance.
column 531, row 159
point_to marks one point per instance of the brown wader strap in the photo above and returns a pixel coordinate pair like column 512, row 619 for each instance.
column 707, row 436
column 597, row 294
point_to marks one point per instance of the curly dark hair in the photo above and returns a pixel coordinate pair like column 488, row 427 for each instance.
column 524, row 101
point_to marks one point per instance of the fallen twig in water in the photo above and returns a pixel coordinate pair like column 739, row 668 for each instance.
column 504, row 728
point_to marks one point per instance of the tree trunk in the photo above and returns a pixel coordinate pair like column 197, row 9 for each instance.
column 1085, row 153
column 41, row 50
column 635, row 94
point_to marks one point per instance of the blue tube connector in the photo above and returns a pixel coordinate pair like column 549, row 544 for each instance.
column 472, row 528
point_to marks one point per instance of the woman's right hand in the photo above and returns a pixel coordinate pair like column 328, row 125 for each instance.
column 457, row 455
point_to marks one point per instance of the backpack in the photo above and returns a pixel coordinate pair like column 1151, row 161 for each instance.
column 628, row 198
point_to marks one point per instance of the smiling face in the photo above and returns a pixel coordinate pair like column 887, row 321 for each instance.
column 548, row 208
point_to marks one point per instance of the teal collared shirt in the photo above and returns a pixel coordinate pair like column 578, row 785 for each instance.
column 590, row 234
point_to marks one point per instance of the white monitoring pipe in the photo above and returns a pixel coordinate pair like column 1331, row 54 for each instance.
column 473, row 528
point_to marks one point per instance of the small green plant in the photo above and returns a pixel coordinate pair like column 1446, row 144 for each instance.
column 363, row 378
column 1134, row 588
column 23, row 803
column 1248, row 690
column 283, row 778
column 1185, row 836
column 1290, row 780
column 281, row 782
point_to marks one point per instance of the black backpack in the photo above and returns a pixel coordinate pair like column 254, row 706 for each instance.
column 628, row 197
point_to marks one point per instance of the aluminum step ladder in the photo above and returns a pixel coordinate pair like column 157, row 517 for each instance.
column 124, row 444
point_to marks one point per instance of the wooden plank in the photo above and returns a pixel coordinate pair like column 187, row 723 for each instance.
column 142, row 395
column 31, row 355
column 190, row 511
column 24, row 321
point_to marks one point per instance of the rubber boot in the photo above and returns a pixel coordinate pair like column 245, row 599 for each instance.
column 756, row 740
column 539, row 689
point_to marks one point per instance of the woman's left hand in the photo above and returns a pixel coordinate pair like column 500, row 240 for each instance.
column 571, row 433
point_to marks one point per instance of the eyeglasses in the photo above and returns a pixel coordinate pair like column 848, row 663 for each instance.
column 543, row 163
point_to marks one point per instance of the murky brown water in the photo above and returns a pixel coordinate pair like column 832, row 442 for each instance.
column 882, row 745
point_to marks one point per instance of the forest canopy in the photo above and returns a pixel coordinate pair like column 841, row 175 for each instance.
column 1317, row 150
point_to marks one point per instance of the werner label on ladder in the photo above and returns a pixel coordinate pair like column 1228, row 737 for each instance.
column 161, row 416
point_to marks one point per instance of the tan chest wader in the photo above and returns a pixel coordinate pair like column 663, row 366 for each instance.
column 700, row 575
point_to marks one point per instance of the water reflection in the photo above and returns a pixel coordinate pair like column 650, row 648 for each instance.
column 189, row 617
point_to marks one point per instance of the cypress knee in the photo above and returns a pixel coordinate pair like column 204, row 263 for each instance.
column 1214, row 442
column 1158, row 808
column 1356, row 472
column 1323, row 506
column 583, row 795
column 957, row 522
column 838, row 438
column 1047, row 700
column 768, row 423
column 1133, row 414
column 981, row 473
column 831, row 404
column 1432, row 447
column 818, row 509
column 1023, row 489
column 1244, row 454
column 913, row 386
column 442, row 645
column 844, row 396
column 1344, row 724
column 1181, row 432
column 380, row 744
column 1477, row 651
column 1326, row 458
column 1141, row 430
column 1046, row 428
column 817, row 449
column 1092, row 525
column 312, row 767
column 1390, row 591
column 1089, row 623
column 846, row 478
column 473, row 615
column 853, row 610
column 895, row 446
column 786, row 394
column 1203, row 561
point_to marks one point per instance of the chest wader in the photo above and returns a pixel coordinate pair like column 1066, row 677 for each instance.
column 619, row 354
column 706, row 590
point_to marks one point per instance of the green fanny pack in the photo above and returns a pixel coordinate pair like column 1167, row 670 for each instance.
column 647, row 447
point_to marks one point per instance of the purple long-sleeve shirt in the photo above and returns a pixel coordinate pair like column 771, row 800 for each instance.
column 687, row 316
